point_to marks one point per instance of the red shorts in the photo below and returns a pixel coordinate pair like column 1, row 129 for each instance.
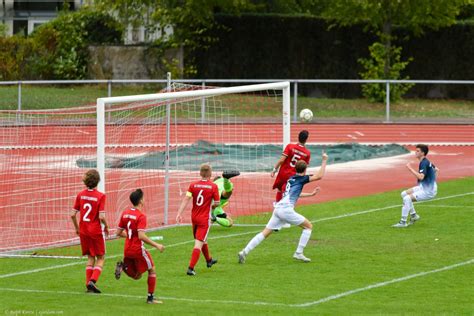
column 139, row 263
column 200, row 231
column 280, row 181
column 92, row 245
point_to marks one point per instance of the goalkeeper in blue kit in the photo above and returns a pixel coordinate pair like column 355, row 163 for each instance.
column 225, row 187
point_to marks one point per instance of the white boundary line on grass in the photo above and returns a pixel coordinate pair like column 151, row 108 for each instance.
column 376, row 285
column 3, row 276
column 301, row 305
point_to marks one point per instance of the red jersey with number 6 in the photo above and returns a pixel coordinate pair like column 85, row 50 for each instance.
column 133, row 221
column 293, row 153
column 203, row 193
column 90, row 203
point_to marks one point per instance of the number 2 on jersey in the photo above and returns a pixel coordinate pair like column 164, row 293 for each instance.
column 88, row 208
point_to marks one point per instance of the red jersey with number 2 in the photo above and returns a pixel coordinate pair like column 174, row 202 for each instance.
column 293, row 153
column 90, row 203
column 203, row 192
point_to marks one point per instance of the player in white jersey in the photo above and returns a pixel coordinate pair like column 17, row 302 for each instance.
column 425, row 190
column 284, row 212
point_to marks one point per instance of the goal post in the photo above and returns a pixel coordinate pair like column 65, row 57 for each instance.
column 157, row 97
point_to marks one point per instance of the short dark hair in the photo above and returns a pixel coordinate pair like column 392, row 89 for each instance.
column 423, row 148
column 303, row 136
column 91, row 178
column 136, row 196
column 301, row 166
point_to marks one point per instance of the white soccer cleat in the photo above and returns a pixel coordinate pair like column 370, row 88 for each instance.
column 242, row 257
column 400, row 224
column 300, row 256
column 414, row 218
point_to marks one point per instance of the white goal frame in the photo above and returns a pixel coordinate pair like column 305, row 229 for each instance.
column 103, row 102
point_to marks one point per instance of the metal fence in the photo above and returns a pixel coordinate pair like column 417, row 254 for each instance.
column 296, row 83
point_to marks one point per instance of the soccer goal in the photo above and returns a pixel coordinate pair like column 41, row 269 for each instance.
column 155, row 142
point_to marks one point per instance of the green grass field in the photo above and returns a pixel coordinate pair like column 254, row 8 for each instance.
column 47, row 97
column 361, row 265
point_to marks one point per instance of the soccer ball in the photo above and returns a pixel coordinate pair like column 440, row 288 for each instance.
column 306, row 115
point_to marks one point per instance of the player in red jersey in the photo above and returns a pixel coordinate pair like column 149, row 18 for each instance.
column 205, row 196
column 92, row 228
column 137, row 259
column 287, row 162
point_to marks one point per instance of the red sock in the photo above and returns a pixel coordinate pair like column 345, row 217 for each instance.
column 205, row 252
column 194, row 257
column 151, row 283
column 96, row 274
column 89, row 270
column 130, row 269
column 279, row 195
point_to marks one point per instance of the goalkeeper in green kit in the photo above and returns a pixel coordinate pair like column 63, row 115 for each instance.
column 225, row 187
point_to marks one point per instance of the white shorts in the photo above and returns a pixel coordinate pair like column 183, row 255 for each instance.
column 283, row 216
column 421, row 194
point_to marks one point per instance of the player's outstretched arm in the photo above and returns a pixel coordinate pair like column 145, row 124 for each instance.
column 143, row 237
column 104, row 222
column 308, row 194
column 74, row 221
column 418, row 175
column 278, row 164
column 183, row 205
column 322, row 169
column 121, row 233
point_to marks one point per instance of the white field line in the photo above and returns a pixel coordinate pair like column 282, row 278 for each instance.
column 3, row 276
column 449, row 206
column 255, row 303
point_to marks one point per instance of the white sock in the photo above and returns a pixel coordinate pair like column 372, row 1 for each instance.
column 407, row 206
column 305, row 235
column 254, row 243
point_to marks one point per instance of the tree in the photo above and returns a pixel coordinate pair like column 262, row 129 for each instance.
column 381, row 16
column 189, row 19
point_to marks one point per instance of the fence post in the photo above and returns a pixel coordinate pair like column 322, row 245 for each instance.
column 109, row 94
column 19, row 95
column 203, row 105
column 295, row 102
column 387, row 101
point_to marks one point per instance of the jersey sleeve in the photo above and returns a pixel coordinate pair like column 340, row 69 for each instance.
column 287, row 150
column 122, row 224
column 77, row 204
column 189, row 193
column 102, row 204
column 141, row 222
column 424, row 167
column 305, row 179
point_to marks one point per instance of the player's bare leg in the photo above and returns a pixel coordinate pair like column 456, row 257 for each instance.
column 305, row 236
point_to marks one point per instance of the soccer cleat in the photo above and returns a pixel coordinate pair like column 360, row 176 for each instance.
column 151, row 300
column 92, row 287
column 300, row 256
column 242, row 257
column 118, row 269
column 400, row 224
column 230, row 174
column 211, row 262
column 414, row 218
column 191, row 272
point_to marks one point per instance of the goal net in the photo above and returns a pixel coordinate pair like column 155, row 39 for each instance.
column 155, row 142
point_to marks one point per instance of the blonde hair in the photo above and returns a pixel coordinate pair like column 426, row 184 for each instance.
column 300, row 166
column 205, row 171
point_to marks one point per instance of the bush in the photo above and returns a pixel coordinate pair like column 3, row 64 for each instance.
column 57, row 49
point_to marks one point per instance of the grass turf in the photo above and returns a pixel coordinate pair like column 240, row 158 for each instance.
column 348, row 252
